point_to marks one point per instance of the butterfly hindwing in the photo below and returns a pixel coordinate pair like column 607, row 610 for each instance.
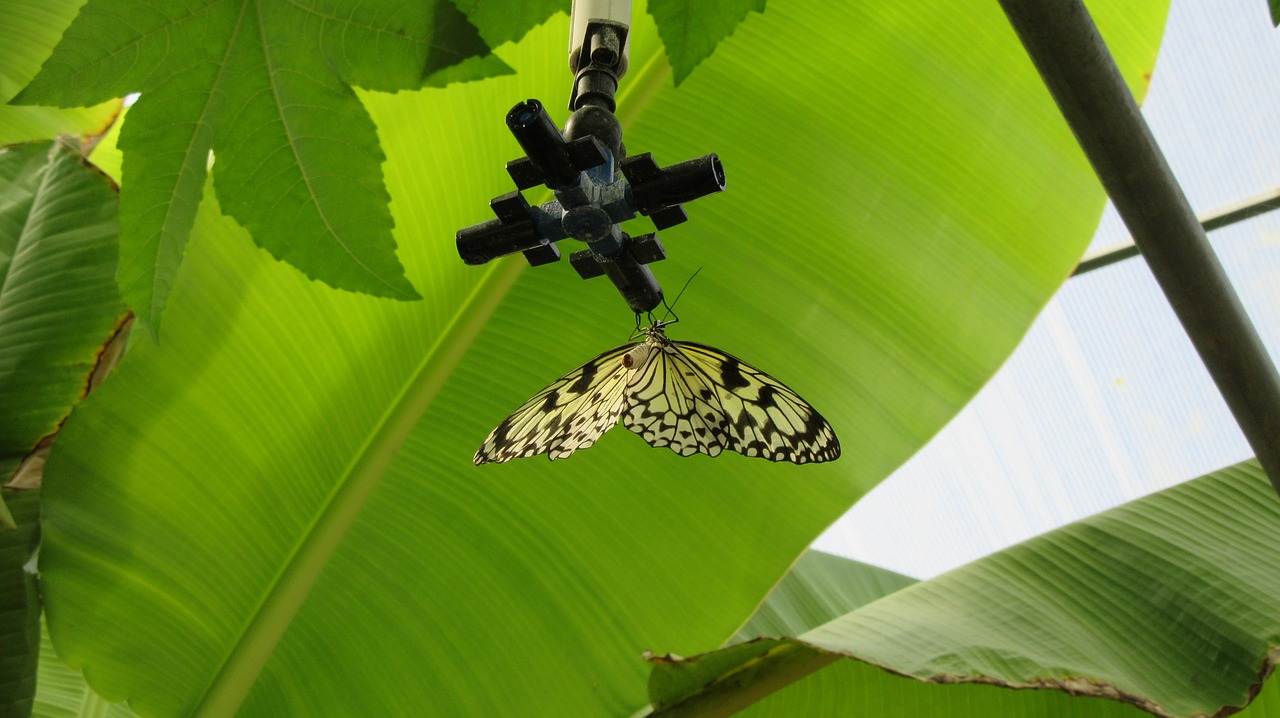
column 671, row 403
column 570, row 414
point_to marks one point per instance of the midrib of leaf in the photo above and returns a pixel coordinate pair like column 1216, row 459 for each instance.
column 316, row 545
column 157, row 304
column 688, row 23
column 297, row 160
column 281, row 601
column 331, row 17
column 37, row 207
column 125, row 49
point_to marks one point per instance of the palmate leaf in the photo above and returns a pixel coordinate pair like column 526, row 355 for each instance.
column 1165, row 604
column 691, row 31
column 276, row 509
column 30, row 30
column 500, row 22
column 267, row 85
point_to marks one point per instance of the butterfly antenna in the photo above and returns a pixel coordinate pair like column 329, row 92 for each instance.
column 671, row 308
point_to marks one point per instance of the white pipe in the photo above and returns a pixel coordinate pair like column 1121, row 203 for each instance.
column 584, row 11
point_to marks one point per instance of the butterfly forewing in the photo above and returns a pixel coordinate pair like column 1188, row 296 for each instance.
column 762, row 416
column 570, row 414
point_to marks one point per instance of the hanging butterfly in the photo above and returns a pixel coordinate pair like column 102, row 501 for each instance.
column 688, row 397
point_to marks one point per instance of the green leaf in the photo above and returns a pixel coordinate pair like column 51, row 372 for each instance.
column 62, row 693
column 691, row 31
column 19, row 605
column 500, row 22
column 476, row 68
column 278, row 504
column 1160, row 603
column 58, row 301
column 820, row 587
column 1275, row 12
column 30, row 30
column 852, row 687
column 268, row 86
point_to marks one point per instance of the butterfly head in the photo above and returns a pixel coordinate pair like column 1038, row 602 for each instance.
column 655, row 332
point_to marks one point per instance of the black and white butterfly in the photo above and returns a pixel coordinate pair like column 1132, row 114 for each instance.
column 688, row 397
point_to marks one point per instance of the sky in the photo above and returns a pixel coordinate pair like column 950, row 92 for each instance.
column 1105, row 400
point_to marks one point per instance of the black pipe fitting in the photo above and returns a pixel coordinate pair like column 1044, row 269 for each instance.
column 542, row 143
column 596, row 186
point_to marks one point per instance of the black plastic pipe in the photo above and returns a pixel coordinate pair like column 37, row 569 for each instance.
column 541, row 141
column 1080, row 73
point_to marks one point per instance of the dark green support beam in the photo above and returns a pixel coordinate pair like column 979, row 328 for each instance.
column 1080, row 73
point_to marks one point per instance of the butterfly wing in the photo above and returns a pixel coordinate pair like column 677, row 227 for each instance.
column 762, row 416
column 671, row 403
column 688, row 397
column 570, row 414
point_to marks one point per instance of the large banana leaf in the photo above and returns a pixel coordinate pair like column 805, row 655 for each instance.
column 1165, row 604
column 62, row 693
column 58, row 305
column 275, row 509
column 58, row 302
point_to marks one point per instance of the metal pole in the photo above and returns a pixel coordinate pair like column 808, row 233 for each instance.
column 1080, row 73
column 1217, row 219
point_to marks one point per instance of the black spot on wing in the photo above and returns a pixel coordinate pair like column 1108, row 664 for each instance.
column 584, row 379
column 730, row 376
column 766, row 398
column 500, row 433
column 553, row 397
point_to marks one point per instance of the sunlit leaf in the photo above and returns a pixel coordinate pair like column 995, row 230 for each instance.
column 691, row 31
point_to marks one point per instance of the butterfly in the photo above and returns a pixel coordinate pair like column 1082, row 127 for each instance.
column 688, row 397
